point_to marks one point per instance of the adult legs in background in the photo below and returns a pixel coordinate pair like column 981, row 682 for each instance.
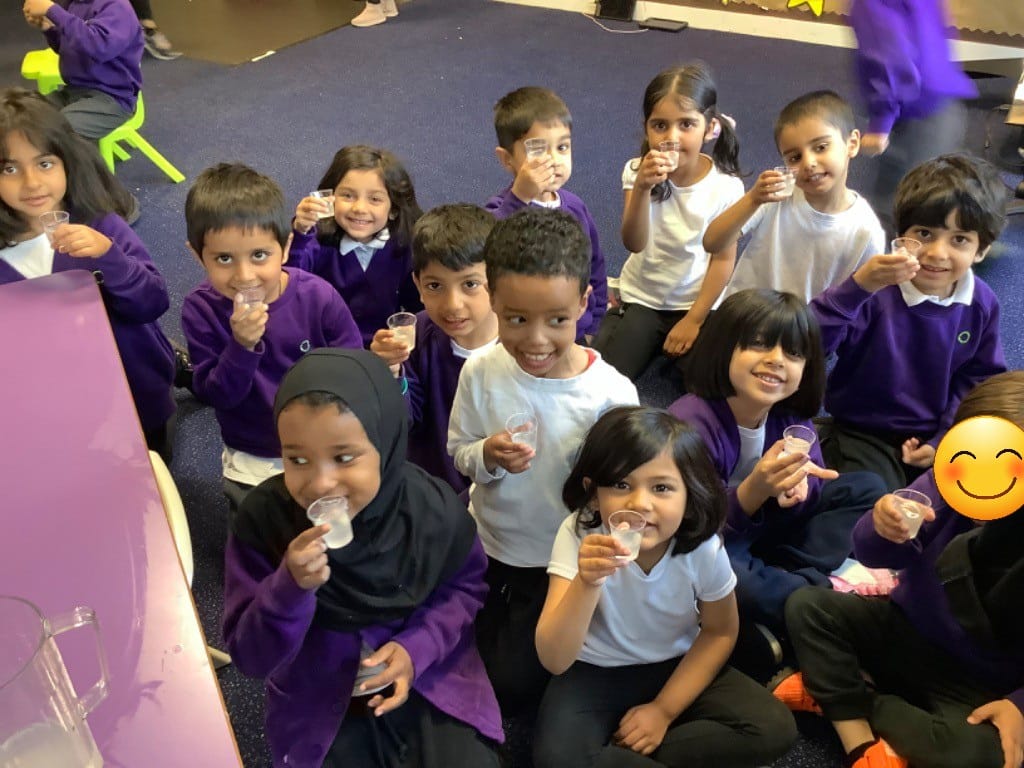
column 920, row 697
column 375, row 12
column 732, row 722
column 632, row 335
column 92, row 114
column 156, row 42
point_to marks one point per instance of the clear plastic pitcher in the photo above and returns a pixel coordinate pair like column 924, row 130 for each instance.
column 42, row 719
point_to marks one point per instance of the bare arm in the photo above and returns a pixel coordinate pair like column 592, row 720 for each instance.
column 724, row 231
column 636, row 212
column 715, row 279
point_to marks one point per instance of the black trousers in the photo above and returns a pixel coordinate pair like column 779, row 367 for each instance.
column 631, row 336
column 733, row 723
column 416, row 735
column 921, row 696
column 505, row 635
column 142, row 9
column 846, row 449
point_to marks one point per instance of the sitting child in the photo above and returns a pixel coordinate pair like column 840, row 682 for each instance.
column 945, row 655
column 252, row 317
column 538, row 267
column 367, row 649
column 458, row 322
column 533, row 115
column 916, row 329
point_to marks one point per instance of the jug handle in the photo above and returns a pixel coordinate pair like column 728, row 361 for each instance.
column 79, row 617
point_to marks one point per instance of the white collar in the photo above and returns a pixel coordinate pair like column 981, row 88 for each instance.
column 962, row 294
column 556, row 203
column 348, row 245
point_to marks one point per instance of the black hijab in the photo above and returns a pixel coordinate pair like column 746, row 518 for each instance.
column 413, row 536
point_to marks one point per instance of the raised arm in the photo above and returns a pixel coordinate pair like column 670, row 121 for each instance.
column 725, row 229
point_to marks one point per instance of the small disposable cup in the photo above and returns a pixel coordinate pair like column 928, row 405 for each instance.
column 332, row 510
column 403, row 324
column 53, row 219
column 251, row 296
column 905, row 246
column 911, row 505
column 327, row 195
column 522, row 428
column 789, row 178
column 671, row 149
column 797, row 438
column 627, row 527
column 535, row 148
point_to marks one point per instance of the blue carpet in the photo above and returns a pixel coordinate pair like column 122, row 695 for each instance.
column 424, row 86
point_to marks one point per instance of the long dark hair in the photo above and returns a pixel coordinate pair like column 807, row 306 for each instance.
column 693, row 86
column 92, row 190
column 627, row 437
column 405, row 211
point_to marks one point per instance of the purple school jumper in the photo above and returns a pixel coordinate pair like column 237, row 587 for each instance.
column 135, row 296
column 269, row 631
column 239, row 384
column 903, row 370
column 922, row 598
column 100, row 47
column 714, row 421
column 383, row 289
column 433, row 373
column 504, row 204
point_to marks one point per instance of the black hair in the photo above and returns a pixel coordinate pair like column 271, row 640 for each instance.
column 234, row 195
column 516, row 112
column 826, row 105
column 316, row 399
column 538, row 242
column 92, row 191
column 627, row 437
column 694, row 88
column 452, row 235
column 754, row 317
column 405, row 211
column 957, row 182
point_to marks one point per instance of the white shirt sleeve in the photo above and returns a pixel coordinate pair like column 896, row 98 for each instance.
column 714, row 578
column 629, row 172
column 466, row 431
column 565, row 551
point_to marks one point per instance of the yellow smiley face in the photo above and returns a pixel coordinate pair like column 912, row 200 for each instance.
column 979, row 467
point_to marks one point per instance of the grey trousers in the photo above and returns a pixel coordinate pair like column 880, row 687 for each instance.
column 92, row 114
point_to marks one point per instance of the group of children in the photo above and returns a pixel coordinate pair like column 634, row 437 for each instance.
column 406, row 646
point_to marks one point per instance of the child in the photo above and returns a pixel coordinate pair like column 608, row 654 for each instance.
column 945, row 653
column 670, row 283
column 819, row 234
column 538, row 265
column 538, row 114
column 448, row 268
column 639, row 649
column 100, row 47
column 756, row 369
column 368, row 649
column 241, row 345
column 926, row 321
column 46, row 166
column 363, row 249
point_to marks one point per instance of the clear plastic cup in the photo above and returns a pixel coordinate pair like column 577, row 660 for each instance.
column 332, row 510
column 911, row 505
column 797, row 438
column 327, row 195
column 627, row 527
column 522, row 428
column 535, row 148
column 789, row 178
column 905, row 245
column 251, row 296
column 403, row 324
column 671, row 149
column 53, row 219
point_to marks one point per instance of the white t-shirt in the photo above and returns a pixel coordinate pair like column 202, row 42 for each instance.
column 795, row 248
column 644, row 618
column 31, row 258
column 517, row 515
column 667, row 274
column 751, row 451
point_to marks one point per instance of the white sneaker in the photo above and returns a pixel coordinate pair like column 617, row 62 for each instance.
column 372, row 15
column 390, row 8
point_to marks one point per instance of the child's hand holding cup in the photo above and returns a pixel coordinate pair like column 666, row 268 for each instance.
column 670, row 149
column 51, row 221
column 326, row 199
column 403, row 328
column 332, row 511
column 898, row 516
column 788, row 181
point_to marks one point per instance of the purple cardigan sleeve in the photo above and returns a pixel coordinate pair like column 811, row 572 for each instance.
column 132, row 287
column 504, row 204
column 836, row 310
column 266, row 614
column 103, row 37
column 887, row 74
column 340, row 327
column 434, row 629
column 223, row 369
column 304, row 250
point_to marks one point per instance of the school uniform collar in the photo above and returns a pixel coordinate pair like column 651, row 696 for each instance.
column 348, row 245
column 962, row 294
column 556, row 203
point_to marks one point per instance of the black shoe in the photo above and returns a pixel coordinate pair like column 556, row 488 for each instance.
column 182, row 367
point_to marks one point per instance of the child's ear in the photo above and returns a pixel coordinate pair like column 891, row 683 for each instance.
column 287, row 248
column 713, row 131
column 982, row 253
column 853, row 144
column 505, row 158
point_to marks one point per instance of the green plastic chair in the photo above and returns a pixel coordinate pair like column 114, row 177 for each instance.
column 43, row 66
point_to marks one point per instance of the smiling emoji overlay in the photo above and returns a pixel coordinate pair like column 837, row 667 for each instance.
column 979, row 467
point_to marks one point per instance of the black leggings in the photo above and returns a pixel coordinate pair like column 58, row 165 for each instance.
column 143, row 9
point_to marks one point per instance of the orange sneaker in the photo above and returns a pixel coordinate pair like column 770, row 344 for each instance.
column 791, row 692
column 880, row 755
